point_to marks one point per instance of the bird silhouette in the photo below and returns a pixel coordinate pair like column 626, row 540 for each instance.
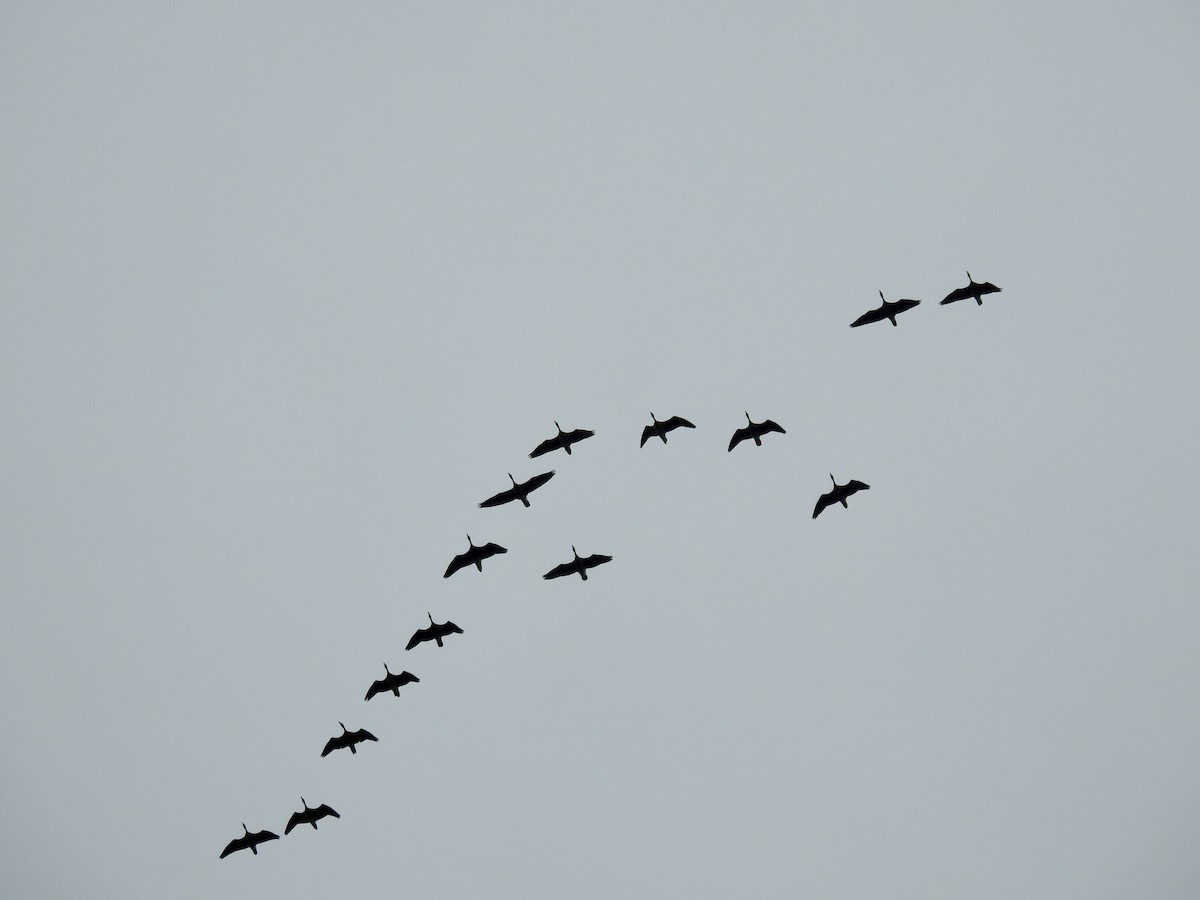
column 250, row 839
column 518, row 491
column 347, row 739
column 434, row 632
column 974, row 289
column 578, row 566
column 754, row 430
column 889, row 310
column 473, row 556
column 309, row 816
column 390, row 682
column 660, row 429
column 839, row 494
column 561, row 441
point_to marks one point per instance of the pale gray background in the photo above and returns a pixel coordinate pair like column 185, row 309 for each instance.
column 287, row 290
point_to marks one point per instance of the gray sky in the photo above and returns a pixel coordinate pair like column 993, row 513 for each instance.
column 288, row 290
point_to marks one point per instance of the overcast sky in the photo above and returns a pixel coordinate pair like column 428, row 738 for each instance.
column 287, row 289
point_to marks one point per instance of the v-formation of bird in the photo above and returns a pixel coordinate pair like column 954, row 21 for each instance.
column 579, row 565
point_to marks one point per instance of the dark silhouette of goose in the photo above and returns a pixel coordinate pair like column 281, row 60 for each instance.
column 390, row 682
column 754, row 430
column 561, row 441
column 974, row 289
column 347, row 739
column 660, row 429
column 250, row 839
column 578, row 566
column 434, row 632
column 473, row 556
column 889, row 310
column 309, row 816
column 839, row 494
column 518, row 491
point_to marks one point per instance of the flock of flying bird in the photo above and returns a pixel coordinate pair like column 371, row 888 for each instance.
column 475, row 554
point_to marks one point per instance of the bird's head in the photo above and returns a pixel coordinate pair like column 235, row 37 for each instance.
column 343, row 726
column 386, row 669
column 970, row 279
column 748, row 422
column 430, row 617
column 513, row 480
column 469, row 541
column 573, row 550
column 559, row 427
column 304, row 802
column 834, row 480
column 881, row 297
column 245, row 829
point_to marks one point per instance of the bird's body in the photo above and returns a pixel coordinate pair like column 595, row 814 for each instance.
column 390, row 682
column 434, row 632
column 561, row 441
column 660, row 429
column 754, row 430
column 346, row 739
column 518, row 491
column 473, row 556
column 251, row 840
column 974, row 289
column 889, row 310
column 578, row 566
column 309, row 816
column 839, row 494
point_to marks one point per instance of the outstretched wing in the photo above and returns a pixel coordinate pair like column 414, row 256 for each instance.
column 457, row 563
column 421, row 634
column 326, row 810
column 738, row 436
column 677, row 422
column 538, row 480
column 491, row 550
column 957, row 294
column 406, row 678
column 545, row 447
column 234, row 846
column 986, row 288
column 867, row 318
column 768, row 425
column 376, row 687
column 596, row 559
column 261, row 837
column 334, row 743
column 647, row 433
column 560, row 571
column 822, row 502
column 362, row 735
column 853, row 486
column 501, row 498
column 448, row 628
column 579, row 434
column 297, row 818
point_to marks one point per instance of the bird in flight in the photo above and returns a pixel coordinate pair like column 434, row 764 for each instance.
column 251, row 840
column 974, row 289
column 473, row 556
column 561, row 441
column 889, row 310
column 839, row 494
column 660, row 429
column 390, row 682
column 578, row 566
column 754, row 430
column 518, row 491
column 309, row 816
column 347, row 739
column 434, row 632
